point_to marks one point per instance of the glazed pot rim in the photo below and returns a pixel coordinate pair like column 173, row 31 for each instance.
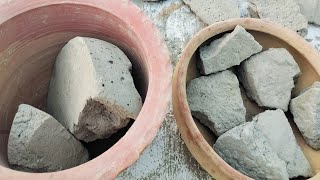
column 190, row 133
column 149, row 120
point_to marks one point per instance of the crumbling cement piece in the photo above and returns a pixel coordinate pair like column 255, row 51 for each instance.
column 211, row 11
column 228, row 51
column 306, row 112
column 39, row 143
column 276, row 128
column 216, row 101
column 284, row 12
column 311, row 10
column 269, row 77
column 246, row 149
column 92, row 92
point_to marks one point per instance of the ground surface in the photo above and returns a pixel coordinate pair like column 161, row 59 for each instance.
column 168, row 157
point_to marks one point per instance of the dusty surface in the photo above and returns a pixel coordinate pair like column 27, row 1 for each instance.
column 93, row 74
column 247, row 149
column 222, row 88
column 276, row 128
column 306, row 112
column 168, row 157
column 228, row 51
column 269, row 77
column 38, row 143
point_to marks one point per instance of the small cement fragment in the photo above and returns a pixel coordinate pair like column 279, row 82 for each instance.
column 246, row 149
column 39, row 143
column 284, row 12
column 91, row 90
column 276, row 128
column 269, row 77
column 311, row 10
column 228, row 51
column 216, row 101
column 211, row 11
column 306, row 111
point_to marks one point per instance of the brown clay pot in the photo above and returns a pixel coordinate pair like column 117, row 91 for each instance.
column 31, row 34
column 268, row 35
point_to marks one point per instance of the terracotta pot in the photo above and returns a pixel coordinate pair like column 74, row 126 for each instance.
column 32, row 33
column 268, row 35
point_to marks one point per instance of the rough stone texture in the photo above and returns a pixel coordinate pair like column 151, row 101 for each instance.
column 306, row 111
column 216, row 101
column 285, row 12
column 311, row 10
column 211, row 11
column 246, row 149
column 39, row 143
column 313, row 36
column 276, row 128
column 91, row 90
column 269, row 77
column 228, row 51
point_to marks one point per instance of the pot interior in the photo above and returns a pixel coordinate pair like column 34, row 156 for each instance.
column 308, row 76
column 29, row 44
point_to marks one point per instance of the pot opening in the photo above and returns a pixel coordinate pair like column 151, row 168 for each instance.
column 29, row 44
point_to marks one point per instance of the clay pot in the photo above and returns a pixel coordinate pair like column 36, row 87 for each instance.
column 196, row 137
column 31, row 35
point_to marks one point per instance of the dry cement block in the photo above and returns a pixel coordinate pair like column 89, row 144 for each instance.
column 276, row 128
column 246, row 149
column 311, row 10
column 216, row 101
column 211, row 11
column 269, row 76
column 284, row 12
column 306, row 111
column 228, row 51
column 39, row 143
column 91, row 90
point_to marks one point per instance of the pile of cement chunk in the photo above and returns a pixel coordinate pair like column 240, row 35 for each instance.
column 246, row 149
column 305, row 109
column 39, row 143
column 228, row 51
column 211, row 11
column 92, row 92
column 264, row 148
column 269, row 77
column 277, row 130
column 216, row 101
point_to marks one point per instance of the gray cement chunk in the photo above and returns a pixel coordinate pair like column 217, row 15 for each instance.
column 91, row 90
column 269, row 77
column 211, row 11
column 39, row 143
column 276, row 128
column 306, row 111
column 246, row 149
column 216, row 101
column 228, row 51
column 311, row 10
column 284, row 12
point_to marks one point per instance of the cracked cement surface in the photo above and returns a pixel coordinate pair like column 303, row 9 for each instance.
column 168, row 157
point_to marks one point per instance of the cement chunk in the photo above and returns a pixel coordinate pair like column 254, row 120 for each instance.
column 39, row 143
column 246, row 149
column 305, row 109
column 269, row 77
column 311, row 10
column 228, row 51
column 284, row 12
column 211, row 11
column 216, row 101
column 91, row 90
column 276, row 128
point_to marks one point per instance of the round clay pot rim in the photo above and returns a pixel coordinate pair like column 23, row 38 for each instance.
column 127, row 150
column 194, row 140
